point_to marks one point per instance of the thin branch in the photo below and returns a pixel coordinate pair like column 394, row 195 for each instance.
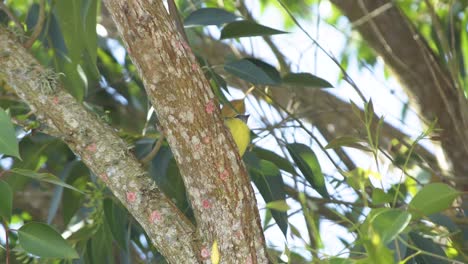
column 154, row 151
column 11, row 16
column 39, row 26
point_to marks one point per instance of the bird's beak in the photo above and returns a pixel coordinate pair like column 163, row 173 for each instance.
column 244, row 118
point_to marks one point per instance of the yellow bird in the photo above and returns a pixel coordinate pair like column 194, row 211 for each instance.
column 236, row 122
column 240, row 131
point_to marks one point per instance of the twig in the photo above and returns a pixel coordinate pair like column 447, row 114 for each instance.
column 154, row 151
column 11, row 16
column 39, row 25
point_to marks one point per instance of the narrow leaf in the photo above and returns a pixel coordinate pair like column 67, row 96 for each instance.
column 307, row 162
column 267, row 178
column 43, row 241
column 246, row 28
column 254, row 71
column 276, row 159
column 347, row 141
column 280, row 205
column 45, row 177
column 304, row 79
column 8, row 142
column 116, row 219
column 209, row 16
column 6, row 200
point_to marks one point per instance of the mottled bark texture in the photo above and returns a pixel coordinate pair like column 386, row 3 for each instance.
column 216, row 180
column 428, row 83
column 100, row 149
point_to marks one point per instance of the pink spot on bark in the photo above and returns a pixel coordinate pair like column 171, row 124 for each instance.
column 131, row 197
column 249, row 260
column 206, row 204
column 55, row 100
column 205, row 253
column 185, row 45
column 155, row 215
column 91, row 147
column 104, row 177
column 194, row 66
column 210, row 107
column 206, row 140
column 197, row 146
column 224, row 175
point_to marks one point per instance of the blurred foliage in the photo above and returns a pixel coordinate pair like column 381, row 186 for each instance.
column 386, row 222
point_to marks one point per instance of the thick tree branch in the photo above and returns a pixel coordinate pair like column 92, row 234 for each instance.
column 215, row 178
column 100, row 149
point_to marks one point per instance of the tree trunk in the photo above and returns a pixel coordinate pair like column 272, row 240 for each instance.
column 215, row 178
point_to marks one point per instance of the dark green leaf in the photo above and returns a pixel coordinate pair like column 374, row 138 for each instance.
column 209, row 16
column 245, row 28
column 88, row 14
column 116, row 219
column 427, row 245
column 99, row 250
column 8, row 142
column 306, row 80
column 79, row 178
column 6, row 200
column 43, row 241
column 279, row 205
column 269, row 182
column 307, row 162
column 433, row 198
column 45, row 177
column 276, row 159
column 254, row 71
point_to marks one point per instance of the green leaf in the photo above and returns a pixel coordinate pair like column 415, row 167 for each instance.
column 304, row 79
column 8, row 142
column 433, row 198
column 267, row 177
column 116, row 219
column 42, row 240
column 45, row 177
column 98, row 249
column 389, row 223
column 379, row 196
column 6, row 200
column 209, row 16
column 279, row 161
column 89, row 16
column 280, row 205
column 347, row 141
column 77, row 21
column 254, row 71
column 427, row 245
column 246, row 28
column 307, row 162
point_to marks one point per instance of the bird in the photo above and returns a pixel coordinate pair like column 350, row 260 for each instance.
column 236, row 121
column 240, row 131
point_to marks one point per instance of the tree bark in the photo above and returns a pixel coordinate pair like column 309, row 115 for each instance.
column 428, row 83
column 101, row 150
column 215, row 178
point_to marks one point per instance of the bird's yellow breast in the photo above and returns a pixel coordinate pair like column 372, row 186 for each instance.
column 240, row 132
